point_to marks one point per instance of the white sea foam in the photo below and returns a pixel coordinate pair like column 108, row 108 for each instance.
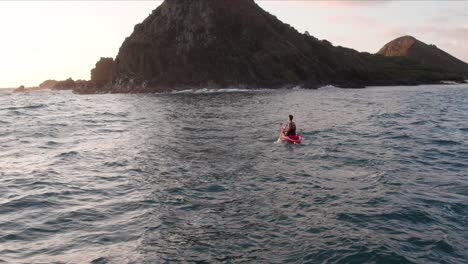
column 212, row 90
column 448, row 82
column 328, row 87
column 295, row 88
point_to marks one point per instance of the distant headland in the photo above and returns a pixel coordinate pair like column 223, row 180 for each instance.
column 226, row 43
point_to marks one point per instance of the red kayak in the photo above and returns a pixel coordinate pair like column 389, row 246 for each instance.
column 293, row 139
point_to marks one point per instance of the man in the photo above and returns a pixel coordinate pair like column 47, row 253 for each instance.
column 288, row 130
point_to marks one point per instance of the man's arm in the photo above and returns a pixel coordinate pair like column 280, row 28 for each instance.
column 287, row 128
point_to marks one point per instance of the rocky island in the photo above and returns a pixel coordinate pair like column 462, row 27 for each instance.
column 235, row 43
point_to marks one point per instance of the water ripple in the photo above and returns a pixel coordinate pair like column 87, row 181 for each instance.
column 195, row 177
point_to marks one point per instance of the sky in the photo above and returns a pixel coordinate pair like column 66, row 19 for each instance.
column 60, row 39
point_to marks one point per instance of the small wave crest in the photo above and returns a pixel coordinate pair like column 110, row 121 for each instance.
column 211, row 91
column 14, row 108
column 68, row 154
column 328, row 87
column 445, row 142
column 379, row 178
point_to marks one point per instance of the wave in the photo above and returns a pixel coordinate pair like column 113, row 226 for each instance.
column 328, row 87
column 445, row 142
column 299, row 88
column 13, row 108
column 211, row 91
column 67, row 154
column 160, row 172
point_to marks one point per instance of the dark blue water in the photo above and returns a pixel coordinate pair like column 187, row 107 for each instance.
column 381, row 177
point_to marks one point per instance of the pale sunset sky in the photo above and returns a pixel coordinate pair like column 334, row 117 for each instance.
column 59, row 39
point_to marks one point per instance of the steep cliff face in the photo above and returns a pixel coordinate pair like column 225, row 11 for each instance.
column 222, row 43
column 215, row 42
column 228, row 43
column 429, row 55
column 102, row 73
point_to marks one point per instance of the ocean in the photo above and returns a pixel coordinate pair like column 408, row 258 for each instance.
column 380, row 177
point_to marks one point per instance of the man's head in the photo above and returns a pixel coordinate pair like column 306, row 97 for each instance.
column 291, row 117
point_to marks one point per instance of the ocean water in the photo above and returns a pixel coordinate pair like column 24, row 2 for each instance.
column 381, row 177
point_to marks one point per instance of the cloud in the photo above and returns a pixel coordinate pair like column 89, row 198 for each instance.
column 448, row 34
column 353, row 20
column 352, row 3
column 448, row 16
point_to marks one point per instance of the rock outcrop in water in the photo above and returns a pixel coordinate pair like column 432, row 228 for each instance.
column 23, row 89
column 101, row 76
column 102, row 73
column 48, row 84
column 67, row 84
column 20, row 89
column 428, row 55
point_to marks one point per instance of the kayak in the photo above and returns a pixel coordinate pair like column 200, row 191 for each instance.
column 293, row 139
